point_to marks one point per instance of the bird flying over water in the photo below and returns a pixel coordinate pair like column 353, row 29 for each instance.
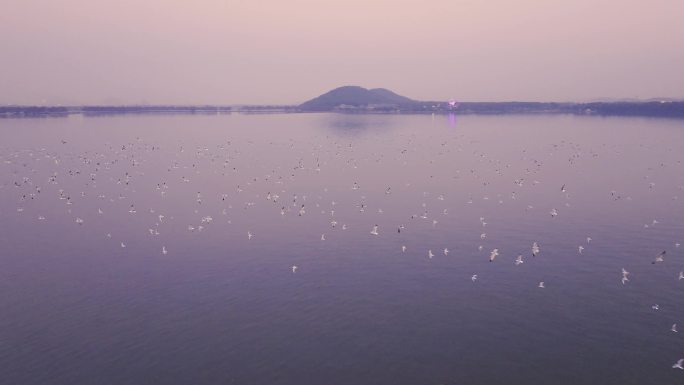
column 535, row 249
column 659, row 257
column 493, row 255
column 375, row 230
column 625, row 273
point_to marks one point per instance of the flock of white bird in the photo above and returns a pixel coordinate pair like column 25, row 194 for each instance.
column 65, row 175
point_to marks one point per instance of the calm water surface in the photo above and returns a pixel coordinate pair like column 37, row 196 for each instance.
column 125, row 256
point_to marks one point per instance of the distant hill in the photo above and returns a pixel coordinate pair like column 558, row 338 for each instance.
column 354, row 97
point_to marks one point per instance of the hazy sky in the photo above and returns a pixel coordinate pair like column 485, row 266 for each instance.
column 234, row 51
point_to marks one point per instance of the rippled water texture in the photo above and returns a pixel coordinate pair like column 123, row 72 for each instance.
column 125, row 256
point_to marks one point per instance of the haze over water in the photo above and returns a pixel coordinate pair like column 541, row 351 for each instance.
column 126, row 257
column 74, row 52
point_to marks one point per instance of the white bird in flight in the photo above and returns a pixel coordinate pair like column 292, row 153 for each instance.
column 430, row 255
column 535, row 249
column 446, row 251
column 674, row 328
column 659, row 258
column 403, row 249
column 625, row 273
column 249, row 235
column 678, row 364
column 541, row 284
column 473, row 278
column 375, row 230
column 580, row 249
column 164, row 251
column 519, row 260
column 493, row 255
column 294, row 269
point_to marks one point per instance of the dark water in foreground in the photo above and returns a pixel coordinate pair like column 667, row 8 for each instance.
column 191, row 299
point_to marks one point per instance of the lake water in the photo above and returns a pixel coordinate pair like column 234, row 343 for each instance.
column 125, row 256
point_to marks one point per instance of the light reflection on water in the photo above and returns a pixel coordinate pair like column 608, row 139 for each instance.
column 220, row 308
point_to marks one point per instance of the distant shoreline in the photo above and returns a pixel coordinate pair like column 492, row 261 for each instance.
column 667, row 109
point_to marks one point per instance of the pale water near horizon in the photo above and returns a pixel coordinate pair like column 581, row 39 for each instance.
column 125, row 256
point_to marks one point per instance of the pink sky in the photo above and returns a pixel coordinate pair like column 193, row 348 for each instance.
column 227, row 52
